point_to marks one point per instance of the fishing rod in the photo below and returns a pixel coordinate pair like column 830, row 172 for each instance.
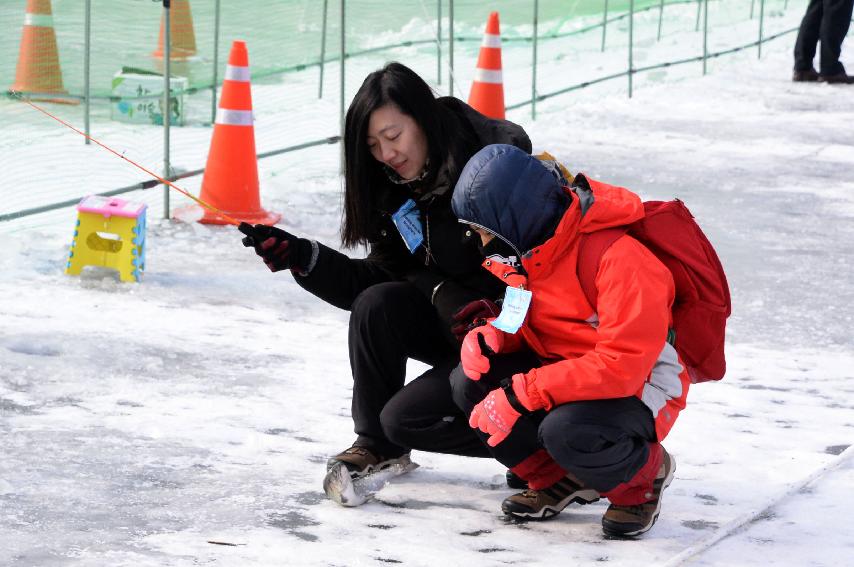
column 227, row 218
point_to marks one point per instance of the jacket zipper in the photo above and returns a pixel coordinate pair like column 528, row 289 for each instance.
column 521, row 269
column 428, row 254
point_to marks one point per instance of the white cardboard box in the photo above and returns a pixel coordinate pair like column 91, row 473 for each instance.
column 139, row 98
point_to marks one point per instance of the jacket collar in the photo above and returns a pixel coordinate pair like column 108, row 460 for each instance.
column 508, row 274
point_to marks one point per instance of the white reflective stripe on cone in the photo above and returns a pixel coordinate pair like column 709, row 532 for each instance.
column 41, row 20
column 234, row 117
column 491, row 40
column 488, row 76
column 240, row 74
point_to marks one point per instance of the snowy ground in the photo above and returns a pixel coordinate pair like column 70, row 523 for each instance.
column 142, row 422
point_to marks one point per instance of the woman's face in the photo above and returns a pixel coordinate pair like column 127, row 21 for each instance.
column 396, row 140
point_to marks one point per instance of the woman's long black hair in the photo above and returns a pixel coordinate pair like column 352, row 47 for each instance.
column 364, row 178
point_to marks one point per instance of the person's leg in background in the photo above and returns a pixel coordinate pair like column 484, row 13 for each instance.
column 807, row 41
column 834, row 27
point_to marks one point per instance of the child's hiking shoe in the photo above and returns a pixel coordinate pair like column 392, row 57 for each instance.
column 548, row 502
column 629, row 521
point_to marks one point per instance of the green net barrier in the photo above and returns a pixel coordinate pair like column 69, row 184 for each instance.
column 283, row 36
column 299, row 86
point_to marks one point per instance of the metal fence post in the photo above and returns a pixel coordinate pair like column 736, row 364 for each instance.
column 215, row 79
column 167, row 90
column 604, row 24
column 86, row 67
column 534, row 65
column 631, row 42
column 342, row 101
column 322, row 47
column 752, row 2
column 439, row 42
column 660, row 17
column 699, row 9
column 451, row 47
column 705, row 34
column 761, row 22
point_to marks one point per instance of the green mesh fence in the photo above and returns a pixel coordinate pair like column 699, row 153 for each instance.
column 297, row 43
column 284, row 36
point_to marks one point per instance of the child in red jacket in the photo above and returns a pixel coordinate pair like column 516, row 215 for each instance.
column 572, row 400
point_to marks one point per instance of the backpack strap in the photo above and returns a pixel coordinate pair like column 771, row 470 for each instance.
column 591, row 247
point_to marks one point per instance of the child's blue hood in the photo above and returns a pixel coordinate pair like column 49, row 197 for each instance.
column 511, row 194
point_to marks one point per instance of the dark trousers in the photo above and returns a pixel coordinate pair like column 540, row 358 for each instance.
column 602, row 442
column 826, row 21
column 389, row 324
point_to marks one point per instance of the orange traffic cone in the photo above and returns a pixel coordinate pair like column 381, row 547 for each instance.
column 183, row 44
column 230, row 182
column 487, row 90
column 38, row 63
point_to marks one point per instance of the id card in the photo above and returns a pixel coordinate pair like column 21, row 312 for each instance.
column 514, row 308
column 407, row 219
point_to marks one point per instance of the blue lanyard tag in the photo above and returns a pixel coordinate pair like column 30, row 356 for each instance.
column 514, row 308
column 407, row 219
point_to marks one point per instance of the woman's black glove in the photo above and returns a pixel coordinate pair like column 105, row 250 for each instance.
column 470, row 315
column 280, row 250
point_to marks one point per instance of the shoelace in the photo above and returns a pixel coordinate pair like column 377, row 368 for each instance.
column 530, row 494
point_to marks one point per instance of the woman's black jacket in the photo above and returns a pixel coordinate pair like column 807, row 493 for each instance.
column 451, row 275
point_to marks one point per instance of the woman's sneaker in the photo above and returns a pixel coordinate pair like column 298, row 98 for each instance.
column 548, row 502
column 629, row 521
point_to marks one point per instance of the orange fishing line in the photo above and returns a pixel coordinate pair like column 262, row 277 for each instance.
column 211, row 208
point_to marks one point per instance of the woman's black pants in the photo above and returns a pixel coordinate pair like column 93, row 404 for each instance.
column 389, row 324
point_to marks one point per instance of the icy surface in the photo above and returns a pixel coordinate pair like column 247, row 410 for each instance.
column 142, row 422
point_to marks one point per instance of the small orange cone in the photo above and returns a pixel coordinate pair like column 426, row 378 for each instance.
column 38, row 62
column 230, row 182
column 181, row 29
column 487, row 90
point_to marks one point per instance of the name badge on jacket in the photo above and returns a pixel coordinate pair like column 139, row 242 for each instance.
column 514, row 308
column 407, row 219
